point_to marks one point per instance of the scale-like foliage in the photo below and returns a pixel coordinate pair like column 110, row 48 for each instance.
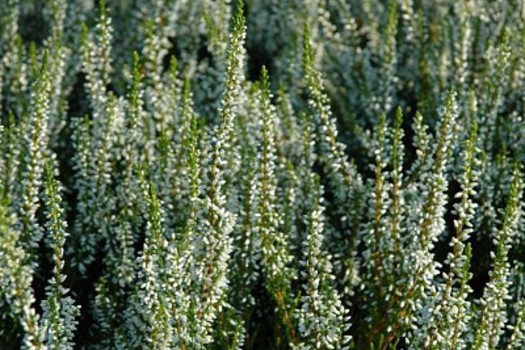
column 281, row 174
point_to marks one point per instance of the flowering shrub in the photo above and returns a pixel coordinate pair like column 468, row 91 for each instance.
column 284, row 174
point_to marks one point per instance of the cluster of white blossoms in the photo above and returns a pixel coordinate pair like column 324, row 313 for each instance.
column 246, row 174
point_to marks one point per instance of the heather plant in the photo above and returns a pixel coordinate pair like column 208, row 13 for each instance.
column 292, row 174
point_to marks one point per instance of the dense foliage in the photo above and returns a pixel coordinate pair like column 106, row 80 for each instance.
column 279, row 174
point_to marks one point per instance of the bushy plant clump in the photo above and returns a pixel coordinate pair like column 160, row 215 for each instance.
column 281, row 174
